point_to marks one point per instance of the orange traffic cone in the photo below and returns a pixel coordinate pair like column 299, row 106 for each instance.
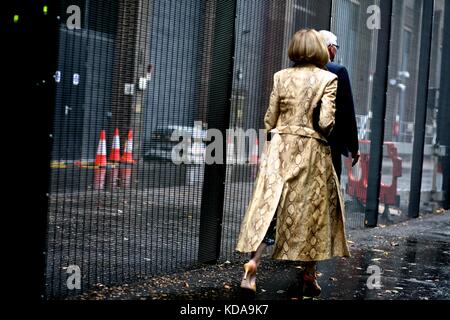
column 127, row 156
column 254, row 156
column 115, row 149
column 100, row 159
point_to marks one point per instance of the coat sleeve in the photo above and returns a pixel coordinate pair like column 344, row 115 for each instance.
column 271, row 117
column 328, row 107
column 348, row 111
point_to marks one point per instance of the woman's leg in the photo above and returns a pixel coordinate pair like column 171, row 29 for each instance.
column 268, row 240
column 309, row 278
column 310, row 267
column 249, row 278
column 256, row 256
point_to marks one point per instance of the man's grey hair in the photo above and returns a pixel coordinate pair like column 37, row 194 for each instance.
column 329, row 38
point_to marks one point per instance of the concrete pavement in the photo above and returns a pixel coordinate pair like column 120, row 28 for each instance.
column 413, row 258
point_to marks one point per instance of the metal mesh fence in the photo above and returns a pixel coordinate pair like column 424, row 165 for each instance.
column 432, row 176
column 401, row 103
column 136, row 78
column 403, row 107
column 358, row 49
column 118, row 207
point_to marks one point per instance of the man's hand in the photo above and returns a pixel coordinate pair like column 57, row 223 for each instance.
column 355, row 157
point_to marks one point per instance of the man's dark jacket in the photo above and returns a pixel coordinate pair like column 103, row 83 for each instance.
column 344, row 137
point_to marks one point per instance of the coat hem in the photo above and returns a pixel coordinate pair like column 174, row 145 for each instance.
column 318, row 259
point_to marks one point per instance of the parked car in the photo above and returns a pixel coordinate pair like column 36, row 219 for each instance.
column 162, row 142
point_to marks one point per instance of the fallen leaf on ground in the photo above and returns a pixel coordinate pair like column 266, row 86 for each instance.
column 376, row 259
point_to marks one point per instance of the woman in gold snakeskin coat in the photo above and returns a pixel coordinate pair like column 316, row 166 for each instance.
column 297, row 197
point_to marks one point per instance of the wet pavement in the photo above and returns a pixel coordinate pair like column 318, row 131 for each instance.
column 413, row 258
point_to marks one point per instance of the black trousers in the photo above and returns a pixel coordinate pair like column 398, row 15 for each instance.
column 269, row 239
column 337, row 163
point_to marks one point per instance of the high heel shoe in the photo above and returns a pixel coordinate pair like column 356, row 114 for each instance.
column 249, row 279
column 310, row 287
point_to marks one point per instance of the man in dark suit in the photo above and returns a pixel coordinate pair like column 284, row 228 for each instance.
column 344, row 137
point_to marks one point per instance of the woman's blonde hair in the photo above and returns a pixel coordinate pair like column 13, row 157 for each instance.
column 308, row 46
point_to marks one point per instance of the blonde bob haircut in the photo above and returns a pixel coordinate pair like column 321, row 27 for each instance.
column 308, row 46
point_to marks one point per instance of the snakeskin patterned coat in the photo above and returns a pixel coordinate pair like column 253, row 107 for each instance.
column 296, row 180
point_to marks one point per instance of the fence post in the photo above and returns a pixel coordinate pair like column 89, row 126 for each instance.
column 329, row 7
column 379, row 113
column 221, row 81
column 421, row 108
column 444, row 109
column 32, row 42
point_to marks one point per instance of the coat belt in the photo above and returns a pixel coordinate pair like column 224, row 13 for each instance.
column 300, row 131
